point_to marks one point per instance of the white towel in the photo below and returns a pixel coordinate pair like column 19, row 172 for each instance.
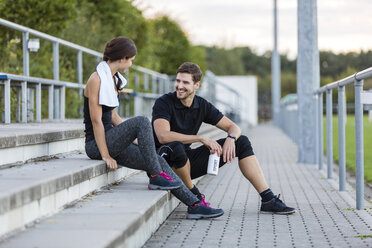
column 107, row 93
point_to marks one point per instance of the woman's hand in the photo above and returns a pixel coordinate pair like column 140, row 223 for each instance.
column 110, row 163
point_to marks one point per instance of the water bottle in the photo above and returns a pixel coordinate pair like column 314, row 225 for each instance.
column 213, row 164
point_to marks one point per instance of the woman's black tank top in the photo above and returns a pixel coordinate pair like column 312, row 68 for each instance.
column 106, row 120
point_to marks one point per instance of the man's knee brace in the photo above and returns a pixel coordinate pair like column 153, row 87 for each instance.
column 243, row 147
column 174, row 153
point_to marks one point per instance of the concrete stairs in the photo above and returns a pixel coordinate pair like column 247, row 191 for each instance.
column 66, row 199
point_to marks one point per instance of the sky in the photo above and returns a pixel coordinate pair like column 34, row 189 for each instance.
column 343, row 25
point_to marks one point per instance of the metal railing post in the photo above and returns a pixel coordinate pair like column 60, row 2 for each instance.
column 320, row 129
column 56, row 77
column 30, row 104
column 7, row 101
column 18, row 106
column 50, row 102
column 329, row 133
column 145, row 81
column 38, row 102
column 26, row 58
column 24, row 102
column 26, row 69
column 359, row 149
column 138, row 105
column 79, row 71
column 63, row 102
column 317, row 138
column 136, row 81
column 153, row 84
column 341, row 138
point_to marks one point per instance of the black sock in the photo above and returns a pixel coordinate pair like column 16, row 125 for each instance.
column 266, row 195
column 196, row 192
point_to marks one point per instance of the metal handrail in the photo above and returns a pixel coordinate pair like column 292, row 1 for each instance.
column 357, row 80
column 8, row 76
column 48, row 37
column 160, row 83
column 367, row 73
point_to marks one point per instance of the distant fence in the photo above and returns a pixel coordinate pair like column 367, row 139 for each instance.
column 363, row 101
column 28, row 90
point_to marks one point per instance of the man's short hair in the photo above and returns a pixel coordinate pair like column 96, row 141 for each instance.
column 192, row 69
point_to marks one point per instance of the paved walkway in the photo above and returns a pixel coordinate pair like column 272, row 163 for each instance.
column 325, row 217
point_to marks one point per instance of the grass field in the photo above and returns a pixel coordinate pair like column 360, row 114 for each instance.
column 350, row 144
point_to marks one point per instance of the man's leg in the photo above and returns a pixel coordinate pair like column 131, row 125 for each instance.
column 174, row 154
column 251, row 170
column 177, row 157
column 184, row 174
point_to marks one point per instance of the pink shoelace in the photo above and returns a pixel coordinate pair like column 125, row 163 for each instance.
column 166, row 176
column 207, row 204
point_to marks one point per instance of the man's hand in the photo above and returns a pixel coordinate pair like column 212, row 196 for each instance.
column 228, row 150
column 110, row 163
column 212, row 145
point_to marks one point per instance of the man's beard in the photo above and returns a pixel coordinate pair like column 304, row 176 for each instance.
column 186, row 94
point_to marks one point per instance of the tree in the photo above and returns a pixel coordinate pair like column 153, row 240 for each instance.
column 171, row 45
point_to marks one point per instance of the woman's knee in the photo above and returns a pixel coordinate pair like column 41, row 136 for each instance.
column 142, row 119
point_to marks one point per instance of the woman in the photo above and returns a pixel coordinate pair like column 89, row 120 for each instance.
column 129, row 143
column 107, row 136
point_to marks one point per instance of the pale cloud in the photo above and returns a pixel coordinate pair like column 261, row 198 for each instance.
column 343, row 25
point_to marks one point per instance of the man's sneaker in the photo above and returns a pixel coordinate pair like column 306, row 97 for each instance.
column 202, row 210
column 276, row 206
column 164, row 182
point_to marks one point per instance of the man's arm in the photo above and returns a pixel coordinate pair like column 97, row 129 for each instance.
column 229, row 126
column 228, row 149
column 165, row 135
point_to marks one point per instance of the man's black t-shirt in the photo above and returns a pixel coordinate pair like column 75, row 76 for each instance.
column 182, row 119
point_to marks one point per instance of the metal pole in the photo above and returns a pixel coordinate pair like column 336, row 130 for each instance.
column 275, row 72
column 308, row 80
column 359, row 149
column 320, row 129
column 341, row 138
column 329, row 134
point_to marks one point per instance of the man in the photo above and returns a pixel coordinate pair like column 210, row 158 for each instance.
column 176, row 119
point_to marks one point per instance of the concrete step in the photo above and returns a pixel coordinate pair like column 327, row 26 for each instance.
column 32, row 191
column 123, row 215
column 39, row 189
column 23, row 142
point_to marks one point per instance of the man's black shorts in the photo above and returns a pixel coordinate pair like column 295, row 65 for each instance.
column 176, row 155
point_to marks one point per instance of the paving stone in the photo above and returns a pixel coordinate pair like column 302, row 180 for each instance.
column 324, row 218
